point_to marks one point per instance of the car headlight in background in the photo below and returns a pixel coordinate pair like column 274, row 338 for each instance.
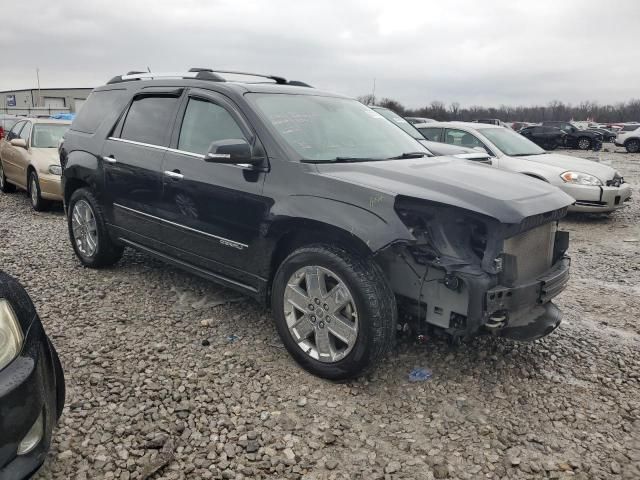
column 11, row 338
column 580, row 178
column 55, row 169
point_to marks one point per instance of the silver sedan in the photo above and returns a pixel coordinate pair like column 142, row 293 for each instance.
column 594, row 186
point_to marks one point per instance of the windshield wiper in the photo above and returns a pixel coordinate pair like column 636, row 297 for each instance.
column 409, row 155
column 343, row 160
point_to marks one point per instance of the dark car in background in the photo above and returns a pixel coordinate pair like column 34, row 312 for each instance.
column 576, row 138
column 607, row 135
column 548, row 138
column 32, row 390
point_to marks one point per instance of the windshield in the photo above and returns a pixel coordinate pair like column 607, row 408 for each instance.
column 47, row 135
column 400, row 122
column 329, row 128
column 510, row 142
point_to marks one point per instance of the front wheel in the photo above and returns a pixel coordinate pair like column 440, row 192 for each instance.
column 88, row 231
column 38, row 203
column 584, row 143
column 334, row 311
column 633, row 146
column 5, row 186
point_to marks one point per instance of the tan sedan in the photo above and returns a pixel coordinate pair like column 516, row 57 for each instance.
column 29, row 159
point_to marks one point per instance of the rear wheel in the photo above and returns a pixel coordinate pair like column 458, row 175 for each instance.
column 334, row 311
column 88, row 231
column 633, row 146
column 5, row 186
column 37, row 202
column 584, row 143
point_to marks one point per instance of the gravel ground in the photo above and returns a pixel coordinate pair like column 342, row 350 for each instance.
column 167, row 373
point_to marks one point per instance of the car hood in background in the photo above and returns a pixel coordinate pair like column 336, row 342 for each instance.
column 506, row 196
column 45, row 155
column 566, row 162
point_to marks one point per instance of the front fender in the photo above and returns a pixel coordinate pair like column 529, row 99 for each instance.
column 375, row 229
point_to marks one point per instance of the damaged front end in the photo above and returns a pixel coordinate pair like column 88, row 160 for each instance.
column 468, row 274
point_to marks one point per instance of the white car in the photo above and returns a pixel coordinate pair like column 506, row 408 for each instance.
column 594, row 186
column 629, row 138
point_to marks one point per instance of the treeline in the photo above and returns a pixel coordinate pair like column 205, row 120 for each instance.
column 556, row 110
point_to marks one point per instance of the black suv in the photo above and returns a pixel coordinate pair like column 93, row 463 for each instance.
column 576, row 138
column 316, row 205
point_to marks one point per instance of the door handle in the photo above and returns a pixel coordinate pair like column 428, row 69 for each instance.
column 173, row 174
column 109, row 159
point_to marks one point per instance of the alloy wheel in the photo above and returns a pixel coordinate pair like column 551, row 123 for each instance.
column 85, row 228
column 584, row 143
column 321, row 314
column 34, row 191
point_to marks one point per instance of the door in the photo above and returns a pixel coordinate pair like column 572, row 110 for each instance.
column 7, row 152
column 15, row 160
column 132, row 162
column 213, row 211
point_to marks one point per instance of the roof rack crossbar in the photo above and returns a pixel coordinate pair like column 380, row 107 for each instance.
column 275, row 78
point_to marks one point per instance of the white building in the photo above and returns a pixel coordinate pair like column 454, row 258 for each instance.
column 44, row 101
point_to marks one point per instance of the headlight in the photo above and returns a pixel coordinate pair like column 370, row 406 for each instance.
column 10, row 334
column 580, row 178
column 55, row 169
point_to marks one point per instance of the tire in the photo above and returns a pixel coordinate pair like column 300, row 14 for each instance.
column 550, row 146
column 584, row 143
column 633, row 146
column 5, row 186
column 369, row 294
column 100, row 250
column 60, row 385
column 38, row 203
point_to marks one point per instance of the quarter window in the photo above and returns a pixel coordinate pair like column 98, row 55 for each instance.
column 205, row 122
column 148, row 119
column 94, row 110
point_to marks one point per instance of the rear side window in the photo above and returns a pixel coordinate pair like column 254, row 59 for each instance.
column 149, row 118
column 432, row 134
column 96, row 108
column 205, row 122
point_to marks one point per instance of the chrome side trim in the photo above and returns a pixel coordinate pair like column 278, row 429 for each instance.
column 158, row 147
column 223, row 241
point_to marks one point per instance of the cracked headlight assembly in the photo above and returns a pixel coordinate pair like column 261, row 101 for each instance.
column 580, row 178
column 11, row 338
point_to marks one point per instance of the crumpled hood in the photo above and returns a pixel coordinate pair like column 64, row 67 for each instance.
column 505, row 196
column 566, row 162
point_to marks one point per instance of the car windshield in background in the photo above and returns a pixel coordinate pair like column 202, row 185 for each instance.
column 510, row 142
column 400, row 122
column 329, row 128
column 47, row 135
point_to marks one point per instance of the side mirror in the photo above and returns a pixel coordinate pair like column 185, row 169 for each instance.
column 232, row 151
column 19, row 142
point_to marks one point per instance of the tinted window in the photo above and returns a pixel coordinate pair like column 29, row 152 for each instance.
column 148, row 119
column 205, row 122
column 432, row 134
column 25, row 132
column 94, row 110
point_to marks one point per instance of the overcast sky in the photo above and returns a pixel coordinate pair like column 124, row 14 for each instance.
column 487, row 52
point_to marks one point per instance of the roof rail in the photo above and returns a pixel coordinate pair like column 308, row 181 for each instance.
column 201, row 74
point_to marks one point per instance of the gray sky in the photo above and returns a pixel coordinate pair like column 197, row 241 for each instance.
column 487, row 52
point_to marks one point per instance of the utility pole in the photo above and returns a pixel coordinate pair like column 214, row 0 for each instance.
column 373, row 94
column 38, row 78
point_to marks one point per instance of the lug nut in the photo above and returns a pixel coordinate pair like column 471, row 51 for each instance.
column 321, row 324
column 313, row 319
column 325, row 306
column 317, row 300
column 311, row 307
